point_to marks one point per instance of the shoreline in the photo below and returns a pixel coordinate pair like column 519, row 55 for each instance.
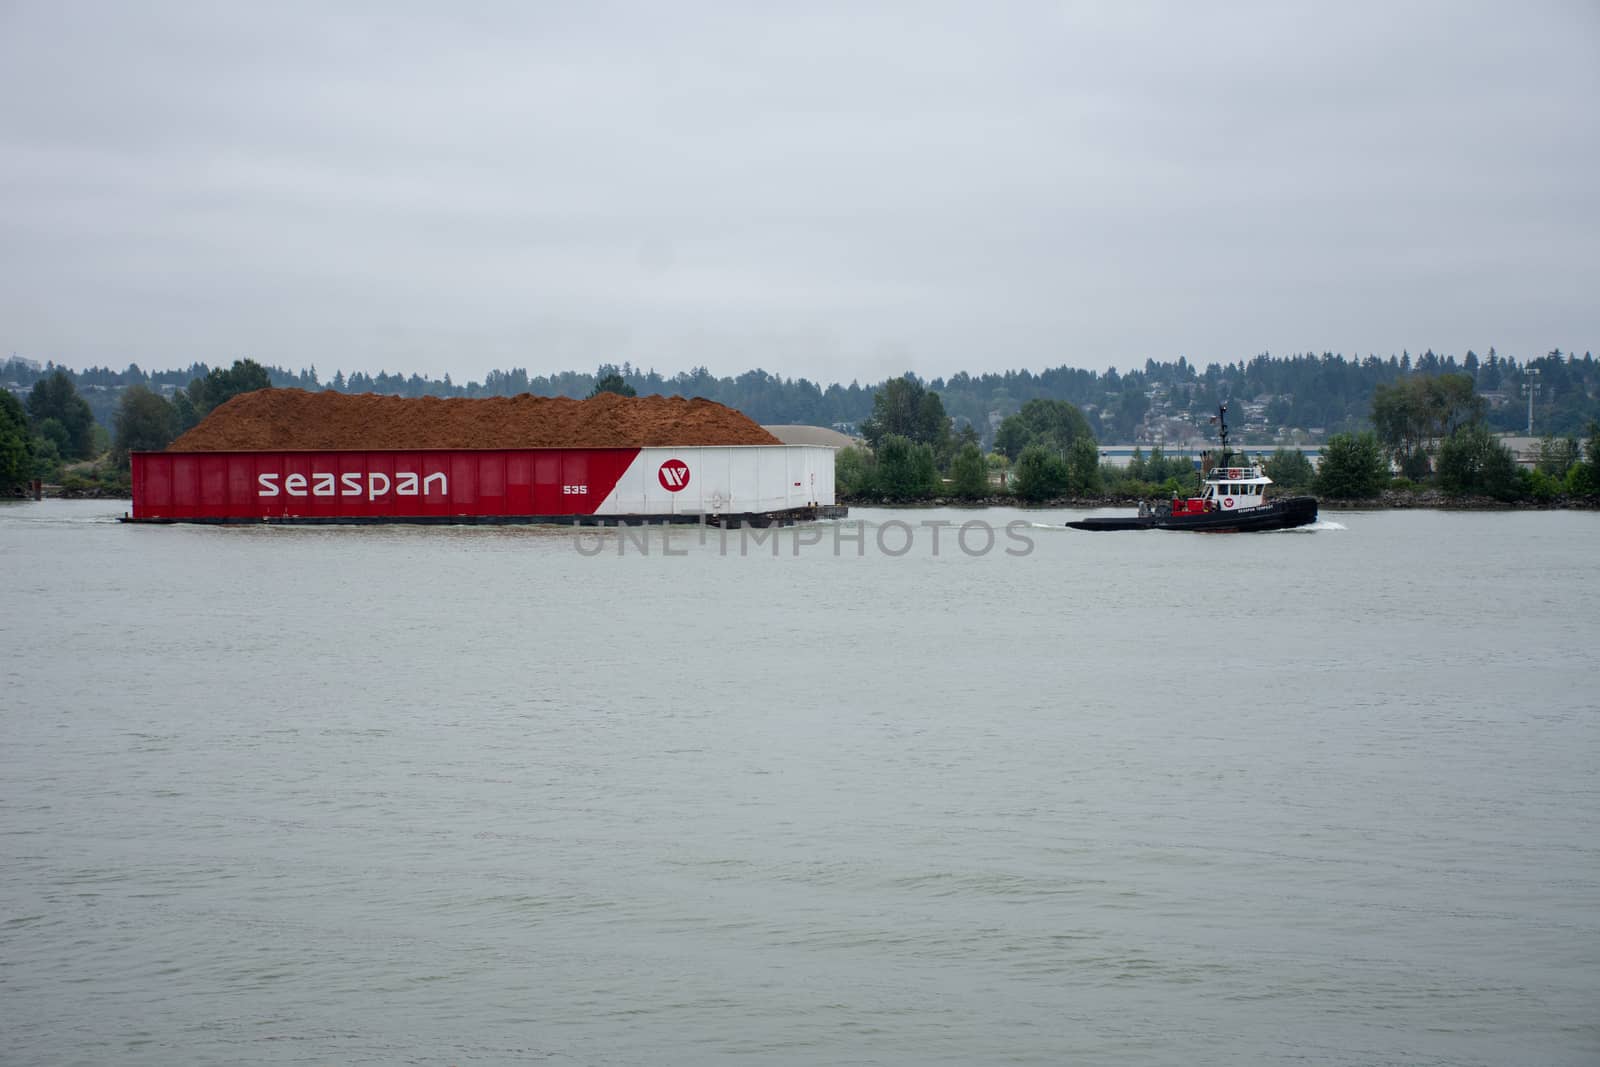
column 1392, row 500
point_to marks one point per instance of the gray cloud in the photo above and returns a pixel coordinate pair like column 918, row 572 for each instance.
column 837, row 191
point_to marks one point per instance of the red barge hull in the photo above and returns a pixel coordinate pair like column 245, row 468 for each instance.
column 499, row 486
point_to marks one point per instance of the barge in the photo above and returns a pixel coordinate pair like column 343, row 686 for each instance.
column 758, row 485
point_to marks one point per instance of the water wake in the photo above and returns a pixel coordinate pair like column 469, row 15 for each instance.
column 1315, row 527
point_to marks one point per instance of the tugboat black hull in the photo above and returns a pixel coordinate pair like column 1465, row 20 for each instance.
column 1284, row 514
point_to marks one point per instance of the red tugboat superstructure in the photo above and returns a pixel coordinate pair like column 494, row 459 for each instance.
column 1232, row 500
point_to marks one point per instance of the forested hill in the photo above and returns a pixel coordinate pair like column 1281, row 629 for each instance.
column 1314, row 394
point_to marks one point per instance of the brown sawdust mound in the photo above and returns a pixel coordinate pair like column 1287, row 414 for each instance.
column 293, row 420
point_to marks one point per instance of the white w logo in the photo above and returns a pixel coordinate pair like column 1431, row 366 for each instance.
column 673, row 475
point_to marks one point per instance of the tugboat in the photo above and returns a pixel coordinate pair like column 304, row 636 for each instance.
column 1233, row 500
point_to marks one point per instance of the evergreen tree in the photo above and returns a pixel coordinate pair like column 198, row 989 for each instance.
column 145, row 423
column 55, row 400
column 217, row 388
column 16, row 455
column 612, row 383
column 905, row 408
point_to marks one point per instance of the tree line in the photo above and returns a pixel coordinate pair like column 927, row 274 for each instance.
column 53, row 436
column 1326, row 391
column 1430, row 428
column 1045, row 451
column 1435, row 429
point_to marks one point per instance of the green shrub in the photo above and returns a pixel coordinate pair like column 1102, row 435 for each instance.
column 1542, row 486
column 1041, row 474
column 1582, row 480
column 1353, row 467
column 1472, row 461
column 853, row 471
column 969, row 475
column 1290, row 469
column 906, row 469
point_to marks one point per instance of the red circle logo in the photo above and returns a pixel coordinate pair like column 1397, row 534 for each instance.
column 673, row 475
column 1227, row 501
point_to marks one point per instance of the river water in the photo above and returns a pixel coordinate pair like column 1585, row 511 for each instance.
column 430, row 795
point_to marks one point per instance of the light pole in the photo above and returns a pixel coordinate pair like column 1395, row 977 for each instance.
column 1531, row 387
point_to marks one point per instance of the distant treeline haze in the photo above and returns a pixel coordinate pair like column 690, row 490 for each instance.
column 1317, row 394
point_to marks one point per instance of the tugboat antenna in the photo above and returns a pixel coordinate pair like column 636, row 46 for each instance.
column 1222, row 419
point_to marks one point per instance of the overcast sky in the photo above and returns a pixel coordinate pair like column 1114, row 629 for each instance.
column 840, row 191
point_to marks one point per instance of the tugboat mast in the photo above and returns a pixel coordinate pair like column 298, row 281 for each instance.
column 1222, row 429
